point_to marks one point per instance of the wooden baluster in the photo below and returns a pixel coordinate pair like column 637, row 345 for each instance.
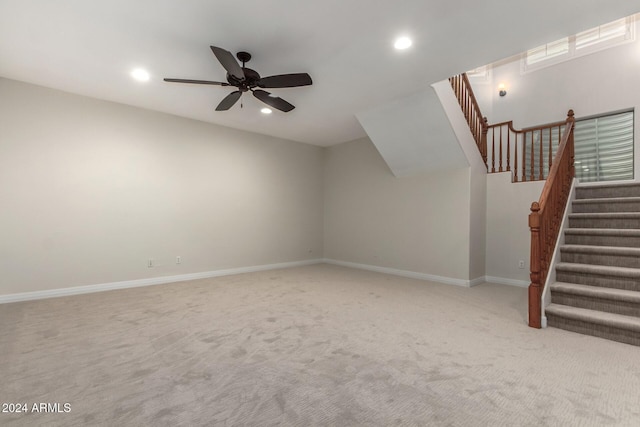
column 550, row 151
column 535, row 288
column 464, row 102
column 483, row 142
column 500, row 163
column 493, row 153
column 541, row 162
column 533, row 158
column 476, row 134
column 515, row 157
column 508, row 150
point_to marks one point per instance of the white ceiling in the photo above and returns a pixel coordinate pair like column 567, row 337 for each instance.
column 89, row 48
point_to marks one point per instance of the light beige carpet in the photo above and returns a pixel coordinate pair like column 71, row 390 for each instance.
column 310, row 346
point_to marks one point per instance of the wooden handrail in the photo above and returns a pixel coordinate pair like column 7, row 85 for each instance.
column 530, row 149
column 528, row 146
column 546, row 217
column 477, row 122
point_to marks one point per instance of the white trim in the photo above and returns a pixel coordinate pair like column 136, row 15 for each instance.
column 76, row 290
column 509, row 282
column 477, row 281
column 404, row 273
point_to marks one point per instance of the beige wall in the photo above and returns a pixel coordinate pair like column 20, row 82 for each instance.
column 91, row 190
column 477, row 179
column 418, row 223
column 593, row 84
column 508, row 235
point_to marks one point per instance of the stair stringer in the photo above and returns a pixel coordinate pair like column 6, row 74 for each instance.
column 551, row 276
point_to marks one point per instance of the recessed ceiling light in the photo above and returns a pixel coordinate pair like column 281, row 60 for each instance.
column 140, row 75
column 266, row 110
column 402, row 43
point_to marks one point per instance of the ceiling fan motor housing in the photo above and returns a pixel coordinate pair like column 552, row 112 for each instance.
column 250, row 80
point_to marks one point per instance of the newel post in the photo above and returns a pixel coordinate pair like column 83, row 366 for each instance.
column 535, row 303
column 572, row 120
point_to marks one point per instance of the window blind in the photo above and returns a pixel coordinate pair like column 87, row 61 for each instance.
column 604, row 148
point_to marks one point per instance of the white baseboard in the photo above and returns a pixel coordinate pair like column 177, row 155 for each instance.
column 76, row 290
column 477, row 281
column 407, row 273
column 510, row 282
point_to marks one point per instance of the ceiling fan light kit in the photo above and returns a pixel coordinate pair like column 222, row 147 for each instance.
column 247, row 80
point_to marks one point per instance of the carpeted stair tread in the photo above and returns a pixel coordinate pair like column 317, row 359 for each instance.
column 618, row 321
column 607, row 200
column 610, row 294
column 601, row 270
column 601, row 186
column 593, row 254
column 622, row 232
column 607, row 191
column 605, row 215
column 601, row 250
column 613, row 204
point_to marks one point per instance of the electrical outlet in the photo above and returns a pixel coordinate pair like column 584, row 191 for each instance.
column 521, row 264
column 178, row 259
column 150, row 263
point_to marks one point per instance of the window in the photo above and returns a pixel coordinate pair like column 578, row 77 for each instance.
column 604, row 148
column 548, row 51
column 604, row 35
column 593, row 40
column 480, row 75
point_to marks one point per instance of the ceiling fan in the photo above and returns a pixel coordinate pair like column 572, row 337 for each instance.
column 246, row 79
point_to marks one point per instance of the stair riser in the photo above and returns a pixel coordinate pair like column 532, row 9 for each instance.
column 596, row 330
column 600, row 259
column 593, row 303
column 629, row 284
column 593, row 240
column 596, row 193
column 605, row 207
column 620, row 223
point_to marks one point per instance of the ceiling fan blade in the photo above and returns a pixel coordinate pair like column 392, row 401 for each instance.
column 229, row 101
column 274, row 101
column 286, row 80
column 228, row 62
column 198, row 82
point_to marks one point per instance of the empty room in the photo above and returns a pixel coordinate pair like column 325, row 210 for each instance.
column 337, row 213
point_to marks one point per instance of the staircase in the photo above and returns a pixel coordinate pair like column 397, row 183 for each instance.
column 597, row 291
